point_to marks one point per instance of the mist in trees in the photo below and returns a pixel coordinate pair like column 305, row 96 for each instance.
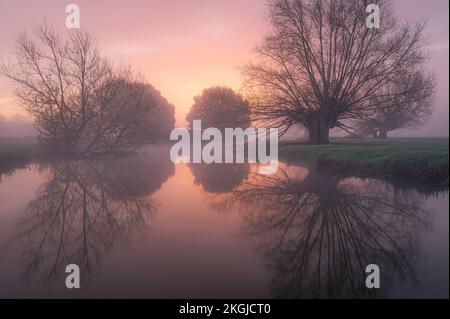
column 404, row 103
column 160, row 115
column 220, row 107
column 81, row 102
column 321, row 67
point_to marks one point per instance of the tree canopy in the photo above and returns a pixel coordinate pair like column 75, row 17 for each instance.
column 220, row 107
column 322, row 67
column 161, row 114
column 404, row 103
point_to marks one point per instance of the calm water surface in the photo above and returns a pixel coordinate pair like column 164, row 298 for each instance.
column 142, row 227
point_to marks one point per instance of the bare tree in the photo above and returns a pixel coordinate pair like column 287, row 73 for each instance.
column 321, row 66
column 405, row 102
column 80, row 102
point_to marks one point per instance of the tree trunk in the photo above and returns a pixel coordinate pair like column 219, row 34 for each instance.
column 383, row 133
column 318, row 131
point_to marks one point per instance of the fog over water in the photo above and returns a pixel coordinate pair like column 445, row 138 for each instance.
column 140, row 226
column 224, row 149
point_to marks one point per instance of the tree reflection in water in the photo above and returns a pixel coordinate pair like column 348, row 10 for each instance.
column 84, row 210
column 219, row 177
column 319, row 233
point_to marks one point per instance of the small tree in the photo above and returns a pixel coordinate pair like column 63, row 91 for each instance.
column 78, row 100
column 405, row 103
column 220, row 107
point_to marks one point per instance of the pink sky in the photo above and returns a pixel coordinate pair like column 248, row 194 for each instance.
column 183, row 46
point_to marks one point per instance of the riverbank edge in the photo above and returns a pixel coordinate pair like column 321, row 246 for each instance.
column 408, row 172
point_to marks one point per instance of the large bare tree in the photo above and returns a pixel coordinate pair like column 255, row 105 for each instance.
column 80, row 102
column 403, row 103
column 321, row 66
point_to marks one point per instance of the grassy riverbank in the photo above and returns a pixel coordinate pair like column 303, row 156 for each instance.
column 417, row 161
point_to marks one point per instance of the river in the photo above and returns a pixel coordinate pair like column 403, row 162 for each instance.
column 143, row 227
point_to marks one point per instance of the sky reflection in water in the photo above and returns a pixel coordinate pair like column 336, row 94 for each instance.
column 142, row 227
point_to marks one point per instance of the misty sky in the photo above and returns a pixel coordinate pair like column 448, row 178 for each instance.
column 183, row 46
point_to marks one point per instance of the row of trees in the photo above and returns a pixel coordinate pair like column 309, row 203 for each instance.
column 323, row 68
column 81, row 102
column 320, row 67
column 407, row 103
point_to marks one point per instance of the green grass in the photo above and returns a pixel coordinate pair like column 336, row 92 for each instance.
column 422, row 159
column 431, row 152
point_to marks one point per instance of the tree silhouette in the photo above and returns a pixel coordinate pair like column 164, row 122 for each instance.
column 321, row 66
column 405, row 102
column 80, row 103
column 161, row 115
column 220, row 107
